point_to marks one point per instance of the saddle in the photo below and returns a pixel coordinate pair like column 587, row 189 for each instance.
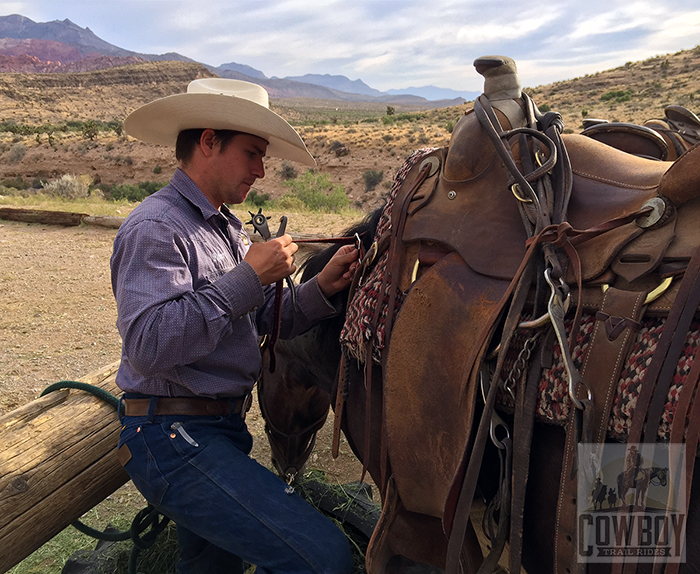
column 472, row 227
column 661, row 139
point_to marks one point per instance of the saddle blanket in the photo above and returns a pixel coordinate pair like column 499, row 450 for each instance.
column 554, row 403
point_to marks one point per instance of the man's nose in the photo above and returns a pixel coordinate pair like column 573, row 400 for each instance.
column 259, row 169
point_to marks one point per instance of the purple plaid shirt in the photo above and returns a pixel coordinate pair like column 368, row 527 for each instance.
column 189, row 308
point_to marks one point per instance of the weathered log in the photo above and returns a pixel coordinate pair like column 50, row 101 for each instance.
column 57, row 461
column 41, row 216
column 109, row 221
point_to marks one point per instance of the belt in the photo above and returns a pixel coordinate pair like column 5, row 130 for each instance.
column 196, row 406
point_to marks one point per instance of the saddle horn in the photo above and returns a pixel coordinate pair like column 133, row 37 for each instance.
column 501, row 81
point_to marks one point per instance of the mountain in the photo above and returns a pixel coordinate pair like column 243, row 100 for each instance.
column 242, row 69
column 340, row 83
column 435, row 93
column 61, row 46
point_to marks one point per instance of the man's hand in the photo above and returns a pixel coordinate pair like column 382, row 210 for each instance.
column 272, row 260
column 338, row 272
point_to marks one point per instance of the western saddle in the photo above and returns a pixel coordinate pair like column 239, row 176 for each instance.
column 516, row 226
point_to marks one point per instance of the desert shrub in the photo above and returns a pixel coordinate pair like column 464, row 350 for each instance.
column 117, row 127
column 372, row 177
column 288, row 171
column 69, row 186
column 390, row 110
column 258, row 199
column 17, row 152
column 14, row 182
column 617, row 96
column 157, row 169
column 544, row 108
column 316, row 191
column 449, row 127
column 289, row 202
column 89, row 130
column 128, row 192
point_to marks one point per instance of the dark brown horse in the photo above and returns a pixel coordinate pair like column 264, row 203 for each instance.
column 473, row 227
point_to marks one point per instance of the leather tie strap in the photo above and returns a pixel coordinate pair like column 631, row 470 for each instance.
column 601, row 370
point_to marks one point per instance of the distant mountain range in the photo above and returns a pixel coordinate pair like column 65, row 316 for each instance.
column 61, row 46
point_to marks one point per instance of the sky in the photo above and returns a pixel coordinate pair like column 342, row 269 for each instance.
column 389, row 44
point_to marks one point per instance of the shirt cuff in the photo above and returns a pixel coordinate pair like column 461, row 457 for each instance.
column 312, row 302
column 242, row 289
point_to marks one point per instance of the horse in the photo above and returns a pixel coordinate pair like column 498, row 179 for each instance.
column 420, row 415
column 640, row 482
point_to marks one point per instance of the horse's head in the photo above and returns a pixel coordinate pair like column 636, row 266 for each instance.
column 294, row 400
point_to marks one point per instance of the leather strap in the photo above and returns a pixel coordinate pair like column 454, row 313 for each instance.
column 658, row 376
column 601, row 370
column 526, row 403
column 187, row 406
column 685, row 411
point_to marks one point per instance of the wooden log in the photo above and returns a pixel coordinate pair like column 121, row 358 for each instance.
column 57, row 461
column 109, row 221
column 41, row 216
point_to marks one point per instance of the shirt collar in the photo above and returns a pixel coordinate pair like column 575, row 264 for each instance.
column 189, row 190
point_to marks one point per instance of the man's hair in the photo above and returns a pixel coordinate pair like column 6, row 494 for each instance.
column 187, row 140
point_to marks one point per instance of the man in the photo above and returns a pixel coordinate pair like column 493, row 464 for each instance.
column 193, row 295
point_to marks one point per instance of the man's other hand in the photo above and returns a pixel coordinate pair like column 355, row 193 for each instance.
column 338, row 272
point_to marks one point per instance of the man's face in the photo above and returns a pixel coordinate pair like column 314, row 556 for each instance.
column 235, row 169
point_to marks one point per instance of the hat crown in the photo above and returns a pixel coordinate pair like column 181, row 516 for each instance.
column 234, row 88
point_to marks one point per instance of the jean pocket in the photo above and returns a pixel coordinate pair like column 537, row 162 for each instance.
column 144, row 471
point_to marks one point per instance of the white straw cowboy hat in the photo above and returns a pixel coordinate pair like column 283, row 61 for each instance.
column 219, row 104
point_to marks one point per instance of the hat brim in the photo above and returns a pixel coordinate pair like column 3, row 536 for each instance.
column 162, row 120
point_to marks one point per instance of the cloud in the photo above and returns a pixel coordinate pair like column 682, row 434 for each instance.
column 388, row 44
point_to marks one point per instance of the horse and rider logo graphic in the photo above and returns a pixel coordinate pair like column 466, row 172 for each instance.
column 631, row 502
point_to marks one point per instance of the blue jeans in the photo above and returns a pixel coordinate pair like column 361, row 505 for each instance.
column 228, row 508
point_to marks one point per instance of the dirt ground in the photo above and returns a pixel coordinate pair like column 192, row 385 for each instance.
column 57, row 322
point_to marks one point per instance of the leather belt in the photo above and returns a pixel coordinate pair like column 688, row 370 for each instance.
column 196, row 406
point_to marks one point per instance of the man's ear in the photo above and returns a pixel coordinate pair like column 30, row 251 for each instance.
column 207, row 142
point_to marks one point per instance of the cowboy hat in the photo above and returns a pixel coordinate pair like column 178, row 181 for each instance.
column 219, row 104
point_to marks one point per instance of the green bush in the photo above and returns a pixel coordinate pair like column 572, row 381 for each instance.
column 617, row 95
column 137, row 192
column 89, row 130
column 14, row 182
column 316, row 191
column 258, row 199
column 372, row 178
column 290, row 202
